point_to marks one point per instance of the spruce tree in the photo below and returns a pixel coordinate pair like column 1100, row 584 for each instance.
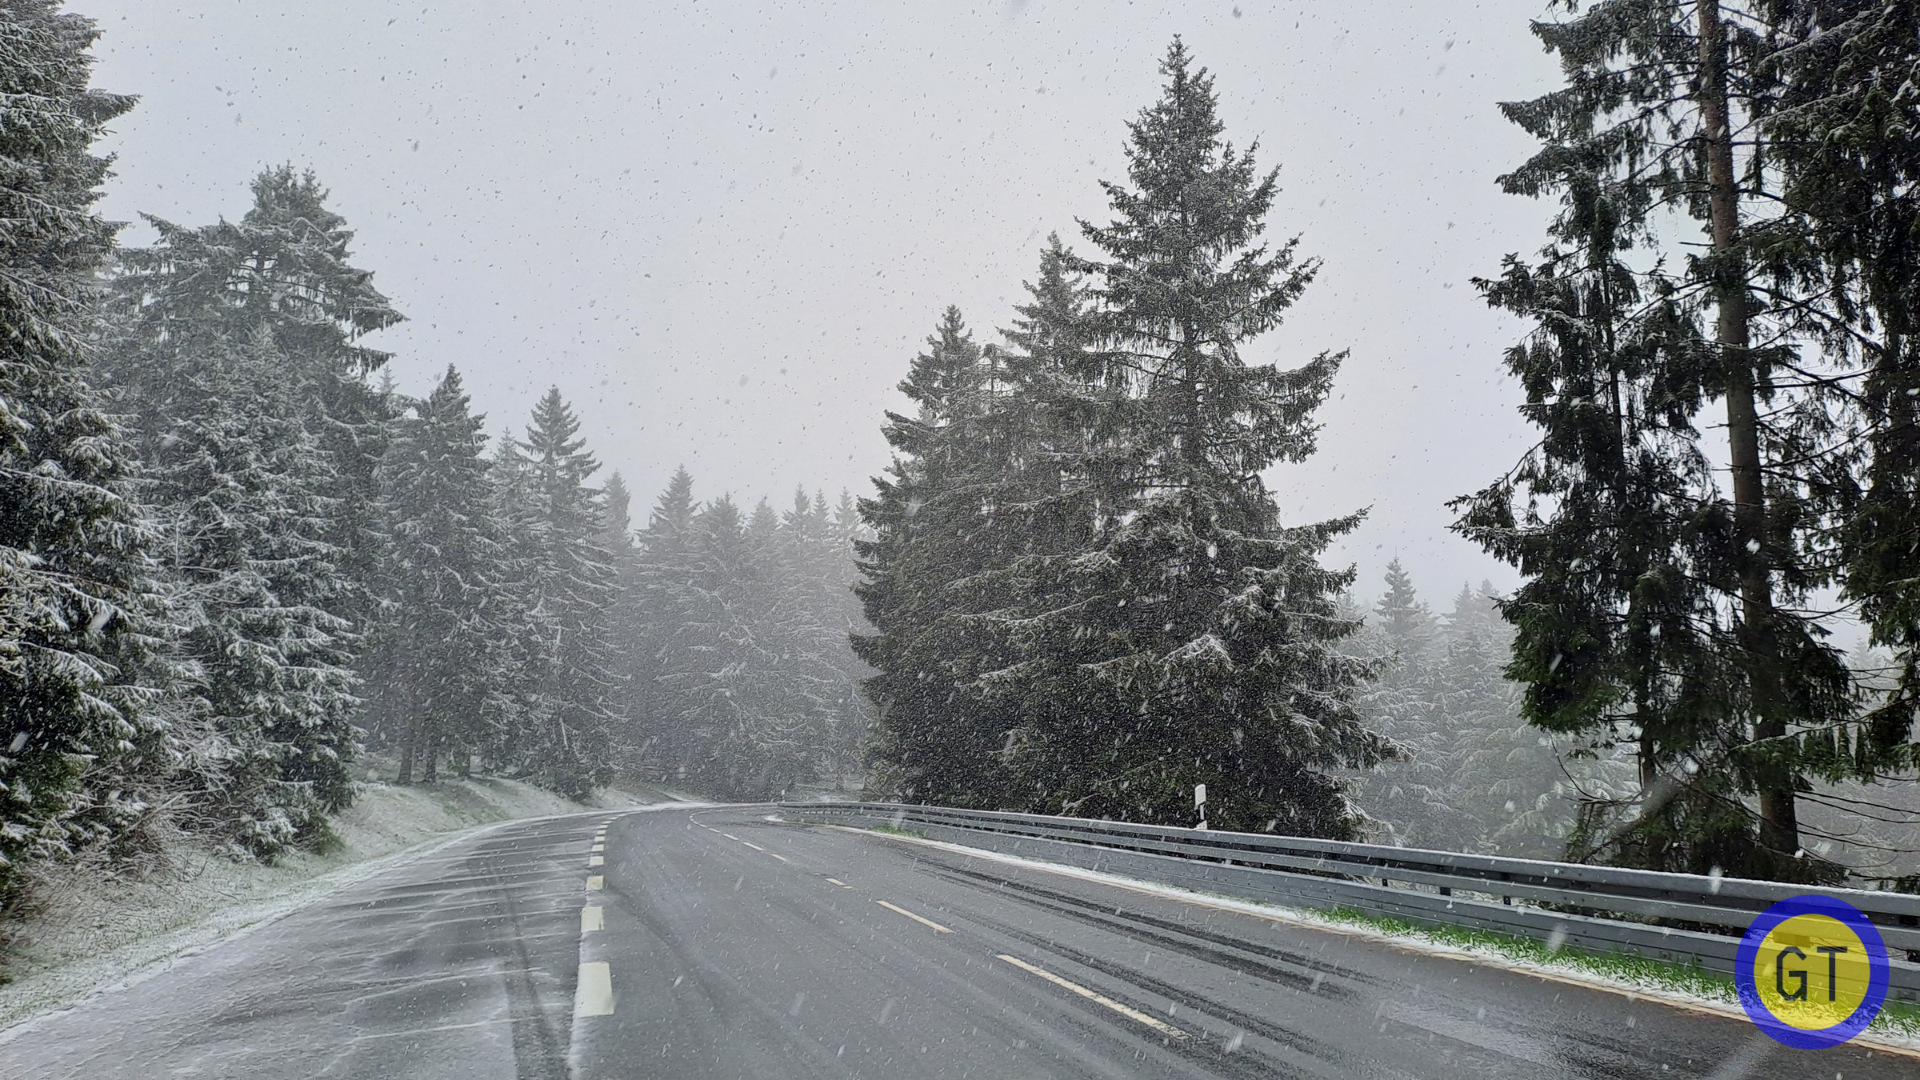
column 1843, row 120
column 565, row 584
column 1658, row 609
column 439, row 677
column 936, row 740
column 1194, row 635
column 235, row 350
column 75, row 600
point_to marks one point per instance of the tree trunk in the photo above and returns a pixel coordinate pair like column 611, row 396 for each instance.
column 409, row 734
column 1779, row 828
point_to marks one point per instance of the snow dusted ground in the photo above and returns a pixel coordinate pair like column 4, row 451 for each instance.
column 92, row 932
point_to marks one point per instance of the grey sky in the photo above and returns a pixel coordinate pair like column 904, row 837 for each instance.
column 724, row 229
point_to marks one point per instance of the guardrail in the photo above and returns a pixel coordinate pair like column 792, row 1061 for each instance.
column 1681, row 918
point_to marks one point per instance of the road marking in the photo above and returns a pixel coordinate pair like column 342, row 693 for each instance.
column 599, row 847
column 730, row 836
column 592, row 919
column 595, row 881
column 596, row 860
column 840, row 883
column 1168, row 1030
column 753, row 845
column 911, row 915
column 779, row 856
column 593, row 995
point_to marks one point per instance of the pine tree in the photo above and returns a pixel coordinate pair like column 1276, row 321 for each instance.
column 1657, row 609
column 285, row 266
column 1843, row 126
column 440, row 678
column 74, row 596
column 663, row 565
column 233, row 348
column 936, row 740
column 240, row 489
column 1194, row 636
column 565, row 585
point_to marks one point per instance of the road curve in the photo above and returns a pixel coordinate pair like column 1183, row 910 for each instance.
column 720, row 943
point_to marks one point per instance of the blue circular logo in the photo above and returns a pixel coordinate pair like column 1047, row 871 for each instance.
column 1812, row 972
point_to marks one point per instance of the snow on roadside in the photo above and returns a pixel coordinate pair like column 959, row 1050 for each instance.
column 98, row 934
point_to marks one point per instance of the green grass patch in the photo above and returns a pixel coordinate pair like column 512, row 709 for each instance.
column 1900, row 1019
column 891, row 831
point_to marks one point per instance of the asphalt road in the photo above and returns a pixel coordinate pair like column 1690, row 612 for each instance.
column 718, row 943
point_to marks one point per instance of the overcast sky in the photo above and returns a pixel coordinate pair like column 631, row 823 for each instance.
column 725, row 229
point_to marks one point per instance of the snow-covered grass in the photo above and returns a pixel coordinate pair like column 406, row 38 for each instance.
column 87, row 927
column 1896, row 1029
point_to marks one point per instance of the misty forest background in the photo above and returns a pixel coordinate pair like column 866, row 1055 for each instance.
column 235, row 561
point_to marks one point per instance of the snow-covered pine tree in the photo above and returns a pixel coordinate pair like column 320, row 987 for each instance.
column 1195, row 635
column 1410, row 796
column 235, row 349
column 239, row 487
column 75, row 600
column 286, row 265
column 663, row 565
column 565, row 584
column 439, row 677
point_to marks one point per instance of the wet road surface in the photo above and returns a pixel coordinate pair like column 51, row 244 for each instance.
column 717, row 943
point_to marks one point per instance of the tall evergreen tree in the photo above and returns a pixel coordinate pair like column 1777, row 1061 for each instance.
column 566, row 585
column 1842, row 119
column 936, row 741
column 1194, row 635
column 74, row 595
column 1657, row 608
column 233, row 347
column 439, row 680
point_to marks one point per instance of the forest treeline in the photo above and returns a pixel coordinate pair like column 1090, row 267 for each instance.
column 232, row 555
column 1086, row 602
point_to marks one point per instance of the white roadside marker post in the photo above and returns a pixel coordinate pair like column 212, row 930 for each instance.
column 1200, row 804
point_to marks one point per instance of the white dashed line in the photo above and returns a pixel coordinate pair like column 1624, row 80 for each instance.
column 911, row 915
column 591, row 919
column 1100, row 999
column 840, row 883
column 593, row 994
column 596, row 860
column 595, row 882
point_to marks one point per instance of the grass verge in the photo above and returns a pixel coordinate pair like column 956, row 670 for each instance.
column 1897, row 1020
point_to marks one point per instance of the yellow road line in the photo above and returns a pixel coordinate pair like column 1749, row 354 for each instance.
column 1132, row 1014
column 591, row 919
column 595, row 881
column 911, row 915
column 593, row 994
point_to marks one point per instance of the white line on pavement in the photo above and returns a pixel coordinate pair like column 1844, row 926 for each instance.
column 1132, row 1014
column 911, row 915
column 592, row 919
column 593, row 995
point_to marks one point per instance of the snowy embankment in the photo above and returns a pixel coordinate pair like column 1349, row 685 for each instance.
column 90, row 930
